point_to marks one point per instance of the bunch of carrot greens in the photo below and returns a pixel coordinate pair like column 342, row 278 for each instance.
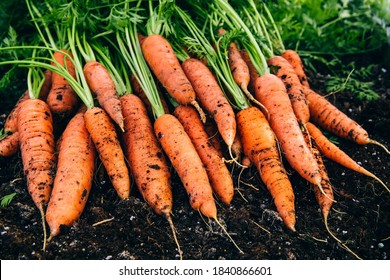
column 134, row 83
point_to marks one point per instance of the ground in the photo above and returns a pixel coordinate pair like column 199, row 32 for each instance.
column 360, row 218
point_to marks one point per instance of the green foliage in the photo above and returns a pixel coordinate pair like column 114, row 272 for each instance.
column 358, row 81
column 7, row 199
column 332, row 26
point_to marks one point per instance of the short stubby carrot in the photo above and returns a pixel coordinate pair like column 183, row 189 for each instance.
column 259, row 144
column 271, row 91
column 219, row 175
column 102, row 130
column 37, row 148
column 62, row 99
column 212, row 98
column 102, row 85
column 145, row 156
column 296, row 62
column 330, row 118
column 74, row 176
column 187, row 163
column 166, row 67
column 283, row 69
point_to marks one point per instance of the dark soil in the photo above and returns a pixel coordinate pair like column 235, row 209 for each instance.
column 360, row 218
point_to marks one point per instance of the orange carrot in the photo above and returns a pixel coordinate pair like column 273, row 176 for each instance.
column 330, row 118
column 165, row 65
column 186, row 161
column 74, row 176
column 62, row 99
column 295, row 60
column 219, row 176
column 37, row 149
column 283, row 69
column 260, row 146
column 145, row 156
column 252, row 70
column 271, row 92
column 102, row 85
column 104, row 136
column 331, row 151
column 214, row 136
column 46, row 87
column 212, row 98
column 9, row 145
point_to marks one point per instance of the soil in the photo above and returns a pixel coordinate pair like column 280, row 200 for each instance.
column 360, row 218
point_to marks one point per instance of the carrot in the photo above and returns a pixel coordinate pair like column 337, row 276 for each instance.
column 283, row 69
column 37, row 150
column 105, row 138
column 259, row 144
column 331, row 151
column 295, row 60
column 186, row 161
column 62, row 99
column 219, row 176
column 214, row 136
column 74, row 176
column 271, row 92
column 145, row 156
column 330, row 118
column 101, row 84
column 212, row 98
column 252, row 70
column 165, row 65
column 9, row 145
column 46, row 87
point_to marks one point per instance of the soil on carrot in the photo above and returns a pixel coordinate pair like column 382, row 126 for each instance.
column 113, row 229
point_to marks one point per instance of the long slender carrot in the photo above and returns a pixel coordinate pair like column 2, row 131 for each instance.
column 296, row 62
column 212, row 98
column 105, row 138
column 332, row 119
column 252, row 70
column 62, row 99
column 331, row 151
column 46, row 87
column 165, row 65
column 271, row 92
column 260, row 146
column 219, row 175
column 186, row 161
column 74, row 176
column 38, row 151
column 101, row 84
column 283, row 69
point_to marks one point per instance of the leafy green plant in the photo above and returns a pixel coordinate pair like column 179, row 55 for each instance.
column 358, row 81
column 7, row 199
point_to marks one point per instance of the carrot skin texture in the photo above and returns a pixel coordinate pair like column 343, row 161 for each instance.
column 46, row 87
column 165, row 65
column 252, row 70
column 219, row 176
column 271, row 92
column 74, row 176
column 296, row 62
column 9, row 145
column 330, row 118
column 62, row 99
column 211, row 98
column 283, row 69
column 105, row 138
column 259, row 144
column 238, row 66
column 35, row 126
column 145, row 156
column 102, row 85
column 187, row 163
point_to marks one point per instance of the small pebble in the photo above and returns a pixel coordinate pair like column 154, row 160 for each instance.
column 381, row 245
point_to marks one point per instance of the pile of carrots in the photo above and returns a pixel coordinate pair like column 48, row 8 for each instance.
column 153, row 103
